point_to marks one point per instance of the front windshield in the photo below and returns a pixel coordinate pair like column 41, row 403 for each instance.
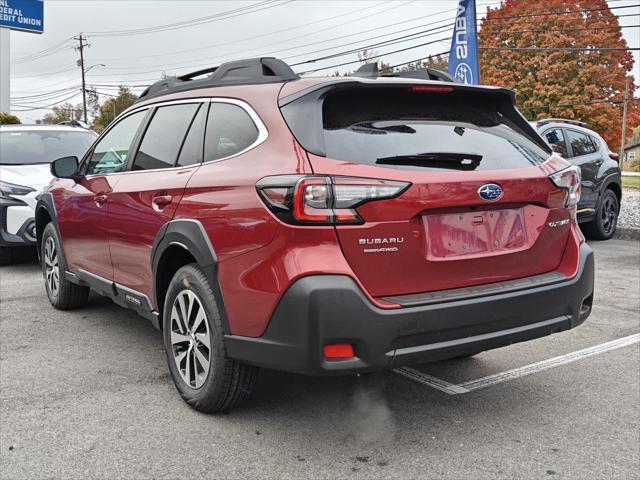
column 28, row 147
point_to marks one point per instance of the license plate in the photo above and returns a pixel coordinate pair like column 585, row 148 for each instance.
column 469, row 234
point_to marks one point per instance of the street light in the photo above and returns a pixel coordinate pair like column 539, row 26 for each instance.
column 96, row 65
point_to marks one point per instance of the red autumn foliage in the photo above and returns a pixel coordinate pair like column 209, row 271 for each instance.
column 565, row 84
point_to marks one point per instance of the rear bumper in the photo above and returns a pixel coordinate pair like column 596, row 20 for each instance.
column 322, row 309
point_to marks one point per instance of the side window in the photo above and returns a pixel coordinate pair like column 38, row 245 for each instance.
column 229, row 130
column 110, row 154
column 192, row 148
column 596, row 142
column 164, row 136
column 580, row 143
column 555, row 138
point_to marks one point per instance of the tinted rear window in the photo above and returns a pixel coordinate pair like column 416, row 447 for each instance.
column 26, row 147
column 402, row 128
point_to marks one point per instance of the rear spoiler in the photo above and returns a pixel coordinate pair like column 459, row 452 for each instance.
column 309, row 98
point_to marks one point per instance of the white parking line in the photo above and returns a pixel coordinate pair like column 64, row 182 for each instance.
column 433, row 382
column 466, row 387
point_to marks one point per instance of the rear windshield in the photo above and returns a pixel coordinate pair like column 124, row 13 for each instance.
column 27, row 147
column 405, row 128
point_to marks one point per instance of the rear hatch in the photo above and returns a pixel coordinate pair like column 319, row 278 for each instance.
column 480, row 207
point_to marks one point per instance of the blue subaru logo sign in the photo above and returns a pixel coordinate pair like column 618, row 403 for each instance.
column 490, row 192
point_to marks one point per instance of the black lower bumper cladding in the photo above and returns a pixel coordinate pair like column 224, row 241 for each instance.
column 324, row 309
column 25, row 236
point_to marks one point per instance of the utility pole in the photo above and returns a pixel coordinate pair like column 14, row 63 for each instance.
column 5, row 75
column 81, row 45
column 624, row 119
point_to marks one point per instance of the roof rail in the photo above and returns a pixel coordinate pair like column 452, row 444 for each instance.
column 370, row 70
column 545, row 121
column 238, row 72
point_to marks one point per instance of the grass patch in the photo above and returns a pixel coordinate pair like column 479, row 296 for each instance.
column 631, row 182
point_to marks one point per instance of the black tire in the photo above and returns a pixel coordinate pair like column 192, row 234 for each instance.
column 67, row 295
column 604, row 225
column 7, row 255
column 227, row 383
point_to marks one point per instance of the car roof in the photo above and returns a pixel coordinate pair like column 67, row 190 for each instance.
column 561, row 124
column 61, row 128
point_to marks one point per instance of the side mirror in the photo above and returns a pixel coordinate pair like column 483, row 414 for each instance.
column 65, row 167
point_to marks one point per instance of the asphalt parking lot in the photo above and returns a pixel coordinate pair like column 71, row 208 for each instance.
column 87, row 394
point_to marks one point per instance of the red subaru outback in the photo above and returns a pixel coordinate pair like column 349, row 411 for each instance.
column 318, row 225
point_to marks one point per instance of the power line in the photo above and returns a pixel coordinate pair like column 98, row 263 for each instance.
column 288, row 40
column 380, row 55
column 387, row 42
column 47, row 96
column 559, row 49
column 612, row 101
column 64, row 45
column 562, row 30
column 206, row 47
column 566, row 12
column 44, row 107
column 264, row 5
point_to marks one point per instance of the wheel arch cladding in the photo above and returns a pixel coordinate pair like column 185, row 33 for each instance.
column 616, row 189
column 45, row 212
column 179, row 243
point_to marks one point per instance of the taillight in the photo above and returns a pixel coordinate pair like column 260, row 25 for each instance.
column 323, row 200
column 568, row 179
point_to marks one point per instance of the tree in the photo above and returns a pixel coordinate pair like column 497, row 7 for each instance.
column 438, row 62
column 63, row 113
column 567, row 84
column 8, row 119
column 113, row 107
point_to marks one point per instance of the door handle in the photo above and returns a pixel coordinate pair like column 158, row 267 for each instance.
column 162, row 201
column 100, row 199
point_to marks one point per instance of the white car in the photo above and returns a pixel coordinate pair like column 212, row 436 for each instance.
column 25, row 154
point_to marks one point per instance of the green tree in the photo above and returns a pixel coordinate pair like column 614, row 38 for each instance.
column 8, row 119
column 113, row 107
column 63, row 113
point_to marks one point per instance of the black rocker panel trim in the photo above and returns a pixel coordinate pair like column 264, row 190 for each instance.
column 191, row 236
column 121, row 295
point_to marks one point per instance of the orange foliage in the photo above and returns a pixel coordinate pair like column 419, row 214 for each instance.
column 546, row 82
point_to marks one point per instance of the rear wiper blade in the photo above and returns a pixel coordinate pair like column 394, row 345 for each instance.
column 449, row 160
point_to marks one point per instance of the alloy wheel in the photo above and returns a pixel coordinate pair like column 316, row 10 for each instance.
column 190, row 338
column 51, row 267
column 609, row 215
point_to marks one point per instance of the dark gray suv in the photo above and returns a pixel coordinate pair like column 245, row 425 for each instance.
column 601, row 196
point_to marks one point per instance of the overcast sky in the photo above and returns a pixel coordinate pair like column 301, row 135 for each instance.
column 295, row 31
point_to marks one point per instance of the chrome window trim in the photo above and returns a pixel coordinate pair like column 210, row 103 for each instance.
column 263, row 132
column 89, row 154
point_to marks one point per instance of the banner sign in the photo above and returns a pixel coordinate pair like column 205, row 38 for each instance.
column 25, row 15
column 463, row 56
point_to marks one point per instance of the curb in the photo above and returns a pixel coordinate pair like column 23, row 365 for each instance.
column 627, row 233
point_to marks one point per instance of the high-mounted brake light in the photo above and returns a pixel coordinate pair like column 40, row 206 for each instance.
column 568, row 179
column 323, row 200
column 431, row 88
